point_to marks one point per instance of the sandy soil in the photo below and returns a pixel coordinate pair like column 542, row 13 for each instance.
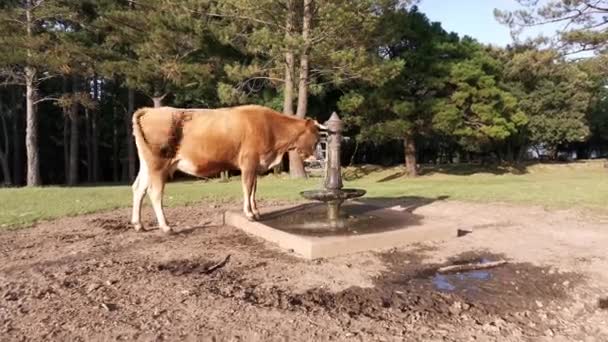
column 92, row 278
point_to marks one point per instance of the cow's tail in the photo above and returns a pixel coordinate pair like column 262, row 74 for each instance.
column 140, row 139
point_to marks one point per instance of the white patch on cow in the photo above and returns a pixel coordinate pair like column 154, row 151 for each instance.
column 187, row 166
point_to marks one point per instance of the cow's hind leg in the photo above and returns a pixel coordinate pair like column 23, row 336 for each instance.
column 155, row 192
column 248, row 179
column 140, row 186
column 254, row 205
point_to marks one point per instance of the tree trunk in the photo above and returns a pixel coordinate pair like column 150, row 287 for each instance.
column 521, row 153
column 4, row 154
column 66, row 134
column 31, row 117
column 296, row 166
column 352, row 158
column 115, row 154
column 89, row 144
column 66, row 145
column 410, row 156
column 224, row 177
column 95, row 133
column 289, row 68
column 6, row 172
column 304, row 60
column 17, row 139
column 74, row 138
column 31, row 129
column 129, row 135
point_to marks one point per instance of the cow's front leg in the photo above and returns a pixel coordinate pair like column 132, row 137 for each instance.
column 157, row 187
column 254, row 205
column 248, row 179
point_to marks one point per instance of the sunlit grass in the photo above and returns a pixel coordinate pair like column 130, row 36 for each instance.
column 582, row 185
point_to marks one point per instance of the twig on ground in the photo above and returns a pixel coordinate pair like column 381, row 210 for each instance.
column 221, row 264
column 470, row 267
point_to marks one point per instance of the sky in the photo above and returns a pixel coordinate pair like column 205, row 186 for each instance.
column 475, row 18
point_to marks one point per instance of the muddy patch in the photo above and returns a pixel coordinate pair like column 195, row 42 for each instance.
column 109, row 224
column 411, row 291
column 185, row 267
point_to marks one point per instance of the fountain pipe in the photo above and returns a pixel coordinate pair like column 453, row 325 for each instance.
column 333, row 177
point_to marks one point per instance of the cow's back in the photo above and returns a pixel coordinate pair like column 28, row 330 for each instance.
column 211, row 139
column 225, row 134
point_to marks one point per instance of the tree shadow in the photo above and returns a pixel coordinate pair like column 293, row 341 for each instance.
column 401, row 203
column 360, row 171
column 392, row 177
column 471, row 169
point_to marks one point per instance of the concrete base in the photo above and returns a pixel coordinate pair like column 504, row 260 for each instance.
column 303, row 230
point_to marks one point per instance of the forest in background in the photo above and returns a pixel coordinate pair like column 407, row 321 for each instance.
column 72, row 72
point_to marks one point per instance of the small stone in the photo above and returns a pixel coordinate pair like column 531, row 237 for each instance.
column 108, row 306
column 93, row 287
column 603, row 303
column 111, row 282
column 549, row 332
column 539, row 304
column 490, row 328
column 566, row 283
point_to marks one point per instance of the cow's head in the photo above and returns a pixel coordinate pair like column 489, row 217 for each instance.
column 307, row 140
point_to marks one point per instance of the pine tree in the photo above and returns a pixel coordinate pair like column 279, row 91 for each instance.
column 401, row 109
column 30, row 42
column 331, row 40
column 157, row 46
column 554, row 94
column 480, row 111
column 583, row 23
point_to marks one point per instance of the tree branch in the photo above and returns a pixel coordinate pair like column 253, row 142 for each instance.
column 594, row 6
column 46, row 99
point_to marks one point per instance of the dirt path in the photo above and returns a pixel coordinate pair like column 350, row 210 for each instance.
column 89, row 278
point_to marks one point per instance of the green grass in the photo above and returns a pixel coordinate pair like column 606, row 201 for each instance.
column 583, row 185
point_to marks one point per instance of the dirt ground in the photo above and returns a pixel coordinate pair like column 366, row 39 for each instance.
column 92, row 278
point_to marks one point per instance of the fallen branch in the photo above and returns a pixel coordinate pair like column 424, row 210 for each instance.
column 221, row 264
column 470, row 267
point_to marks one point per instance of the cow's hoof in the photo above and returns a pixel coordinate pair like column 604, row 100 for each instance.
column 257, row 216
column 166, row 229
column 138, row 227
column 250, row 217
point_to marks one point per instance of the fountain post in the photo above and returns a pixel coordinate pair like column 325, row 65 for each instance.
column 333, row 194
column 333, row 175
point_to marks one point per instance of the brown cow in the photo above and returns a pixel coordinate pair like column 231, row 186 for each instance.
column 202, row 142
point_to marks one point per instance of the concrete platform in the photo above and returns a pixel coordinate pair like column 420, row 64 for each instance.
column 303, row 230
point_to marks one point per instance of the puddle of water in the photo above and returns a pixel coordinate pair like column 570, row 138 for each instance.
column 462, row 280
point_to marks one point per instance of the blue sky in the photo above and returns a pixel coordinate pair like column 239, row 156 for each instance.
column 476, row 19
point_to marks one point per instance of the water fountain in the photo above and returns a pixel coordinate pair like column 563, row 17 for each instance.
column 333, row 194
column 331, row 226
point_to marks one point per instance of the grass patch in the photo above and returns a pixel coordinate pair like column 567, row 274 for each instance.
column 582, row 185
